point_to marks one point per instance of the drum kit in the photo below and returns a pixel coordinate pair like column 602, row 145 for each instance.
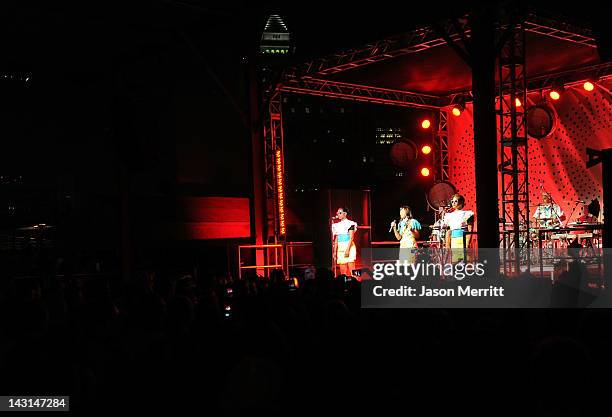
column 436, row 238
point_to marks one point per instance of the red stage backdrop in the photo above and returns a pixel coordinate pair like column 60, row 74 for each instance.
column 213, row 218
column 558, row 161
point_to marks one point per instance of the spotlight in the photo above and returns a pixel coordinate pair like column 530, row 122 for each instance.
column 517, row 102
column 459, row 106
column 588, row 86
column 556, row 90
column 554, row 94
column 426, row 150
column 425, row 172
column 425, row 124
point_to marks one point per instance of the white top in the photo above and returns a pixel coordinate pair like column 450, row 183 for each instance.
column 457, row 219
column 548, row 211
column 342, row 227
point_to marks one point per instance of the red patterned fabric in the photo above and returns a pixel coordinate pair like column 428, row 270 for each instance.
column 558, row 161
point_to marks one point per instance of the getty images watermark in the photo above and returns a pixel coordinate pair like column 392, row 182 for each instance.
column 486, row 278
column 415, row 270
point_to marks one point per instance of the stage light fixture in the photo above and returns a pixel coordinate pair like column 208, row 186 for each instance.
column 459, row 106
column 425, row 172
column 425, row 124
column 588, row 86
column 426, row 150
column 556, row 91
column 517, row 102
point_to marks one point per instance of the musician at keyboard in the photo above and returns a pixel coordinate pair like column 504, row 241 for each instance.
column 548, row 214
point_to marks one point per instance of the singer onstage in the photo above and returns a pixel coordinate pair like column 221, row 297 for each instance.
column 407, row 232
column 458, row 221
column 344, row 250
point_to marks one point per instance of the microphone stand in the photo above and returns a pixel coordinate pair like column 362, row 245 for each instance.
column 442, row 231
column 572, row 213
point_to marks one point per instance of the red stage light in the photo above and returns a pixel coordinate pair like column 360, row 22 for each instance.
column 425, row 172
column 425, row 124
column 426, row 149
column 588, row 86
column 456, row 111
column 554, row 94
column 517, row 102
column 280, row 193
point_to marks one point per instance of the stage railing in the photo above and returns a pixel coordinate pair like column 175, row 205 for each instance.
column 276, row 256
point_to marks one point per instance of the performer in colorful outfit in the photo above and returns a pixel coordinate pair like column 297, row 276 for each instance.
column 407, row 232
column 344, row 249
column 458, row 221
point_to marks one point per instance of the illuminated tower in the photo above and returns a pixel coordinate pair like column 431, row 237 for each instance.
column 276, row 38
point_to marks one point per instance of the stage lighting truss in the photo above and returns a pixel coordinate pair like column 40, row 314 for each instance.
column 512, row 120
column 274, row 167
column 595, row 74
column 440, row 152
column 356, row 92
column 426, row 38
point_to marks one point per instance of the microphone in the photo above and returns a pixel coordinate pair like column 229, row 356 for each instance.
column 391, row 228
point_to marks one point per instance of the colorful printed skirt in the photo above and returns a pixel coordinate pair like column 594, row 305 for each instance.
column 456, row 244
column 343, row 243
column 456, row 240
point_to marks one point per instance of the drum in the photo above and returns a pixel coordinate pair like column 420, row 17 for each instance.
column 438, row 231
column 435, row 233
column 438, row 234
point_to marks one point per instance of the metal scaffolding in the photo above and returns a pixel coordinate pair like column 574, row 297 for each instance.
column 558, row 30
column 441, row 151
column 511, row 107
column 335, row 89
column 415, row 41
column 422, row 39
column 274, row 165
